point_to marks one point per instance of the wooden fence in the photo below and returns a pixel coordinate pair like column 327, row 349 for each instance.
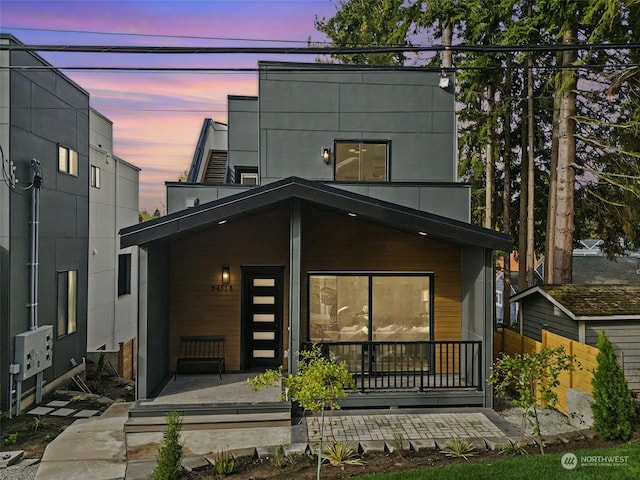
column 127, row 359
column 510, row 343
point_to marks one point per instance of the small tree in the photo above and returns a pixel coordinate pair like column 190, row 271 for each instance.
column 169, row 465
column 534, row 378
column 614, row 415
column 319, row 384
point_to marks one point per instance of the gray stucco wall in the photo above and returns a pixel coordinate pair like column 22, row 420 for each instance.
column 450, row 201
column 302, row 111
column 625, row 337
column 46, row 109
column 538, row 313
column 243, row 140
column 153, row 334
column 477, row 308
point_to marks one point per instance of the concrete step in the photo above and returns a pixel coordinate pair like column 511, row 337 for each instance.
column 210, row 422
column 144, row 408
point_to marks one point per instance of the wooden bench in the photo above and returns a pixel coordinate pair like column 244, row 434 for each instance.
column 201, row 350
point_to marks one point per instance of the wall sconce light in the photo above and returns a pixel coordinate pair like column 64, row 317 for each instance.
column 326, row 154
column 226, row 274
column 444, row 81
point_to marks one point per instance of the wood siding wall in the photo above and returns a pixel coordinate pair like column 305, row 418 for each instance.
column 338, row 242
column 196, row 263
column 540, row 315
column 625, row 337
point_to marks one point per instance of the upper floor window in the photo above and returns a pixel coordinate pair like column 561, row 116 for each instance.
column 361, row 161
column 499, row 298
column 124, row 274
column 246, row 175
column 95, row 176
column 67, row 160
column 67, row 302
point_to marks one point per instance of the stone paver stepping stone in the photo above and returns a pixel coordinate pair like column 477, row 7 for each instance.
column 40, row 411
column 296, row 449
column 10, row 458
column 58, row 403
column 422, row 444
column 243, row 452
column 62, row 412
column 193, row 464
column 86, row 413
column 393, row 445
column 370, row 446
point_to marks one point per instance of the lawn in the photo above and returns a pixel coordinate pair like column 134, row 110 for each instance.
column 548, row 467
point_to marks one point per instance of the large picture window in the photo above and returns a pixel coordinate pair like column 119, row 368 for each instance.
column 358, row 161
column 370, row 307
column 67, row 302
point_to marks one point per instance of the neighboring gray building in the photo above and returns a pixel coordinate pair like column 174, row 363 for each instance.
column 113, row 272
column 580, row 312
column 357, row 235
column 43, row 116
column 66, row 284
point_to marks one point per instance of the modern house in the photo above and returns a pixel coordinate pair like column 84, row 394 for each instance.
column 353, row 233
column 50, row 216
column 580, row 312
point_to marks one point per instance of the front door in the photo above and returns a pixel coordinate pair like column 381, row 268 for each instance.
column 262, row 293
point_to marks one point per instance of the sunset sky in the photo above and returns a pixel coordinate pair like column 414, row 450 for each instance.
column 157, row 116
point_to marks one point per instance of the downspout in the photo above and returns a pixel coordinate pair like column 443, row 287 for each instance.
column 115, row 252
column 34, row 250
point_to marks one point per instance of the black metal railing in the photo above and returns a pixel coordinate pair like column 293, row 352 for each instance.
column 410, row 365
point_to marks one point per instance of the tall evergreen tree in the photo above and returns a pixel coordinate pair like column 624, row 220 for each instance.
column 614, row 414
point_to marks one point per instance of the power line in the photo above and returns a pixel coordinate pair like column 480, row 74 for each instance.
column 310, row 50
column 154, row 35
column 313, row 69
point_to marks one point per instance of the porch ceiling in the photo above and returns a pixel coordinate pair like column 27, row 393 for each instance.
column 266, row 196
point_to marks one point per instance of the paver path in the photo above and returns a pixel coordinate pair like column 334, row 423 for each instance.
column 406, row 426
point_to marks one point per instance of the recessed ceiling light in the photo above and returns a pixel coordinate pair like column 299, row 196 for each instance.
column 222, row 222
column 424, row 234
column 351, row 214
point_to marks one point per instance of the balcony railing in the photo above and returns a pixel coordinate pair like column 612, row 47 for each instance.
column 414, row 366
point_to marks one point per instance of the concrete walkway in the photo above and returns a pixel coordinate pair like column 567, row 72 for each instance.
column 98, row 449
column 104, row 448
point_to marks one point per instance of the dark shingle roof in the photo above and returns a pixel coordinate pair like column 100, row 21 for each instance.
column 597, row 300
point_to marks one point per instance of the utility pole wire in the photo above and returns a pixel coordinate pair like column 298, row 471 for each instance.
column 171, row 50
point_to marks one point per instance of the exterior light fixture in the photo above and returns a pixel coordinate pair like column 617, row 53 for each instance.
column 444, row 82
column 226, row 274
column 326, row 154
column 351, row 214
column 424, row 234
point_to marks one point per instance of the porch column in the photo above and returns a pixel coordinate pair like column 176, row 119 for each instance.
column 295, row 236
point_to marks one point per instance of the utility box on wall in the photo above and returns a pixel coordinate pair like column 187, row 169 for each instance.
column 34, row 351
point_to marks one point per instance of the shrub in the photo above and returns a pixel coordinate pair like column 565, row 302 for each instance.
column 341, row 453
column 534, row 378
column 223, row 463
column 614, row 415
column 459, row 449
column 320, row 382
column 169, row 465
column 11, row 439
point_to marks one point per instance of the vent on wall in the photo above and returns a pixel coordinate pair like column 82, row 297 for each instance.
column 192, row 202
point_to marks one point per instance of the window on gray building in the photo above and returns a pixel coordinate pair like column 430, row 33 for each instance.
column 124, row 274
column 67, row 160
column 95, row 176
column 361, row 161
column 67, row 302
